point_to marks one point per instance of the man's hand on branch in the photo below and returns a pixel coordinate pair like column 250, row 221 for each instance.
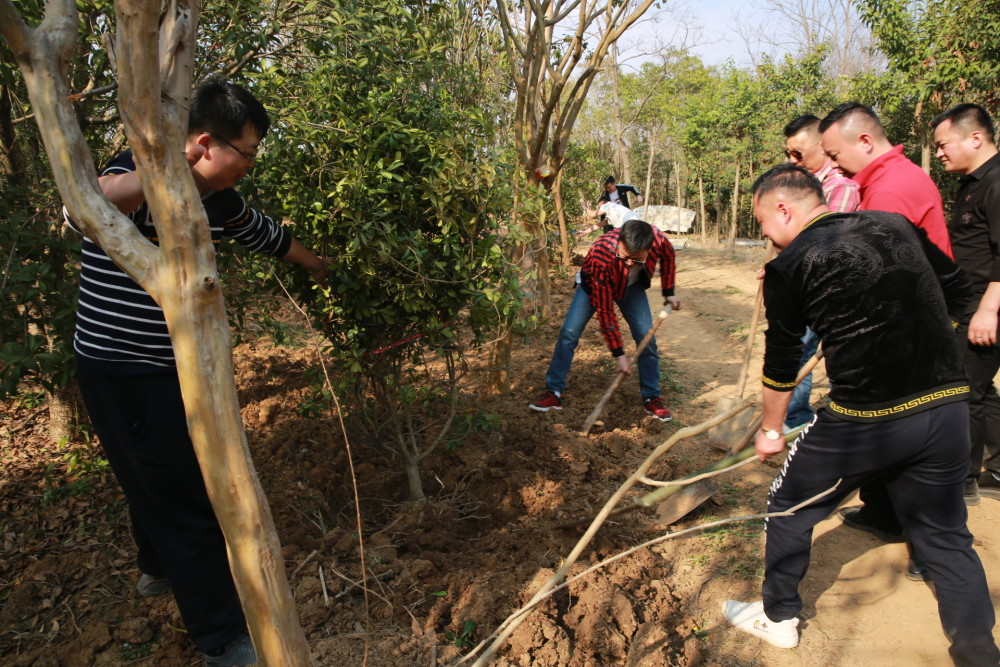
column 673, row 302
column 766, row 447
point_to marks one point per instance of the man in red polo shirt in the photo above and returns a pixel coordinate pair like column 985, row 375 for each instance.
column 853, row 137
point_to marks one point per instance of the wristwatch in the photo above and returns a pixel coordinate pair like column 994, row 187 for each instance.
column 771, row 434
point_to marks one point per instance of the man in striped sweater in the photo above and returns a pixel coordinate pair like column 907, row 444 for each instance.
column 618, row 269
column 127, row 374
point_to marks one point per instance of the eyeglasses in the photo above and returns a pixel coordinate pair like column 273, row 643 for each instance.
column 631, row 261
column 250, row 157
column 797, row 154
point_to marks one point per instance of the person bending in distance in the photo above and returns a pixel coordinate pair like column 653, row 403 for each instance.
column 618, row 270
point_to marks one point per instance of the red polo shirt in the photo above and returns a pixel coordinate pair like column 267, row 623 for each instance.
column 893, row 183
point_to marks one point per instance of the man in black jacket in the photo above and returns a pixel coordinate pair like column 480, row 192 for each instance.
column 882, row 298
column 966, row 145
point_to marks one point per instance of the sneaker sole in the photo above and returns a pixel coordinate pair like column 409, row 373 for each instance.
column 877, row 532
column 667, row 419
column 540, row 409
column 994, row 494
column 972, row 501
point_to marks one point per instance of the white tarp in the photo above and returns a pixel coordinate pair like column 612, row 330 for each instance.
column 672, row 219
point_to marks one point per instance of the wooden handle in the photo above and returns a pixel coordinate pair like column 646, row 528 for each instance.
column 751, row 335
column 599, row 408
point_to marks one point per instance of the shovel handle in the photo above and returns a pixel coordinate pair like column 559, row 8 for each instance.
column 599, row 408
column 754, row 319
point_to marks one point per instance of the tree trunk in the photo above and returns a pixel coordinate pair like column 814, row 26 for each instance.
column 701, row 208
column 620, row 147
column 64, row 412
column 412, row 467
column 500, row 363
column 649, row 172
column 561, row 217
column 180, row 274
column 925, row 138
column 733, row 223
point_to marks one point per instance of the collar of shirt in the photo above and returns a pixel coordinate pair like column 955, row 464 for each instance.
column 825, row 170
column 878, row 166
column 979, row 172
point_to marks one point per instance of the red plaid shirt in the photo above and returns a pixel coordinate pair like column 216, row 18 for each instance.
column 604, row 276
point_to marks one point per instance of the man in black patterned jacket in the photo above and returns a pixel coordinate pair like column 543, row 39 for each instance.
column 882, row 298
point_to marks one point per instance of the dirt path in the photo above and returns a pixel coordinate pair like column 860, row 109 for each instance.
column 444, row 573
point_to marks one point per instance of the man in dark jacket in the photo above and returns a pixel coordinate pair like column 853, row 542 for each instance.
column 882, row 298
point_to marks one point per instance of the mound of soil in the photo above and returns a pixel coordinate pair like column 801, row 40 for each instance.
column 443, row 574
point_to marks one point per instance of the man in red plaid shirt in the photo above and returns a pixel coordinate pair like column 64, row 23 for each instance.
column 618, row 270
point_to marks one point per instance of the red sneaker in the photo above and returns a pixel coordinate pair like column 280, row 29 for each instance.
column 655, row 408
column 545, row 402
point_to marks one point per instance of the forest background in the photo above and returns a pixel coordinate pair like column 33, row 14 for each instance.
column 437, row 153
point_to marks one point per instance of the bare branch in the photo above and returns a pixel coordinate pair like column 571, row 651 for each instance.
column 14, row 30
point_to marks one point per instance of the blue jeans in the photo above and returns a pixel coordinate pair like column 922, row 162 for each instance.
column 635, row 309
column 799, row 410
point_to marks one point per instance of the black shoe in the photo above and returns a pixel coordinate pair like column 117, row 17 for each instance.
column 235, row 653
column 989, row 485
column 971, row 492
column 150, row 585
column 916, row 571
column 855, row 518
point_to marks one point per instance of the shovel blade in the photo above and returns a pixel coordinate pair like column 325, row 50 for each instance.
column 683, row 502
column 728, row 433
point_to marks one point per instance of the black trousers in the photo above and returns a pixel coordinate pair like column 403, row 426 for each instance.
column 981, row 365
column 923, row 459
column 141, row 423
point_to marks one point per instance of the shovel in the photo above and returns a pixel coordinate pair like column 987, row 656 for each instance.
column 722, row 436
column 676, row 501
column 599, row 408
column 676, row 505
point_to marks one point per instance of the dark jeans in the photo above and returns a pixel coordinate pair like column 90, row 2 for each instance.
column 799, row 410
column 141, row 423
column 981, row 365
column 635, row 309
column 923, row 459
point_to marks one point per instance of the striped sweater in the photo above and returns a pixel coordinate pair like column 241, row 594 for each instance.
column 120, row 329
column 605, row 278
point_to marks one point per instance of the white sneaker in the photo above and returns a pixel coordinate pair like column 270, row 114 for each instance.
column 750, row 617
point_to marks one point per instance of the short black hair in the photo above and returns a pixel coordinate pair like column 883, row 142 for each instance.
column 224, row 108
column 637, row 235
column 801, row 123
column 847, row 109
column 968, row 117
column 610, row 180
column 787, row 176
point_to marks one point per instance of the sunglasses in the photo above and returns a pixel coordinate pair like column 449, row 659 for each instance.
column 797, row 154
